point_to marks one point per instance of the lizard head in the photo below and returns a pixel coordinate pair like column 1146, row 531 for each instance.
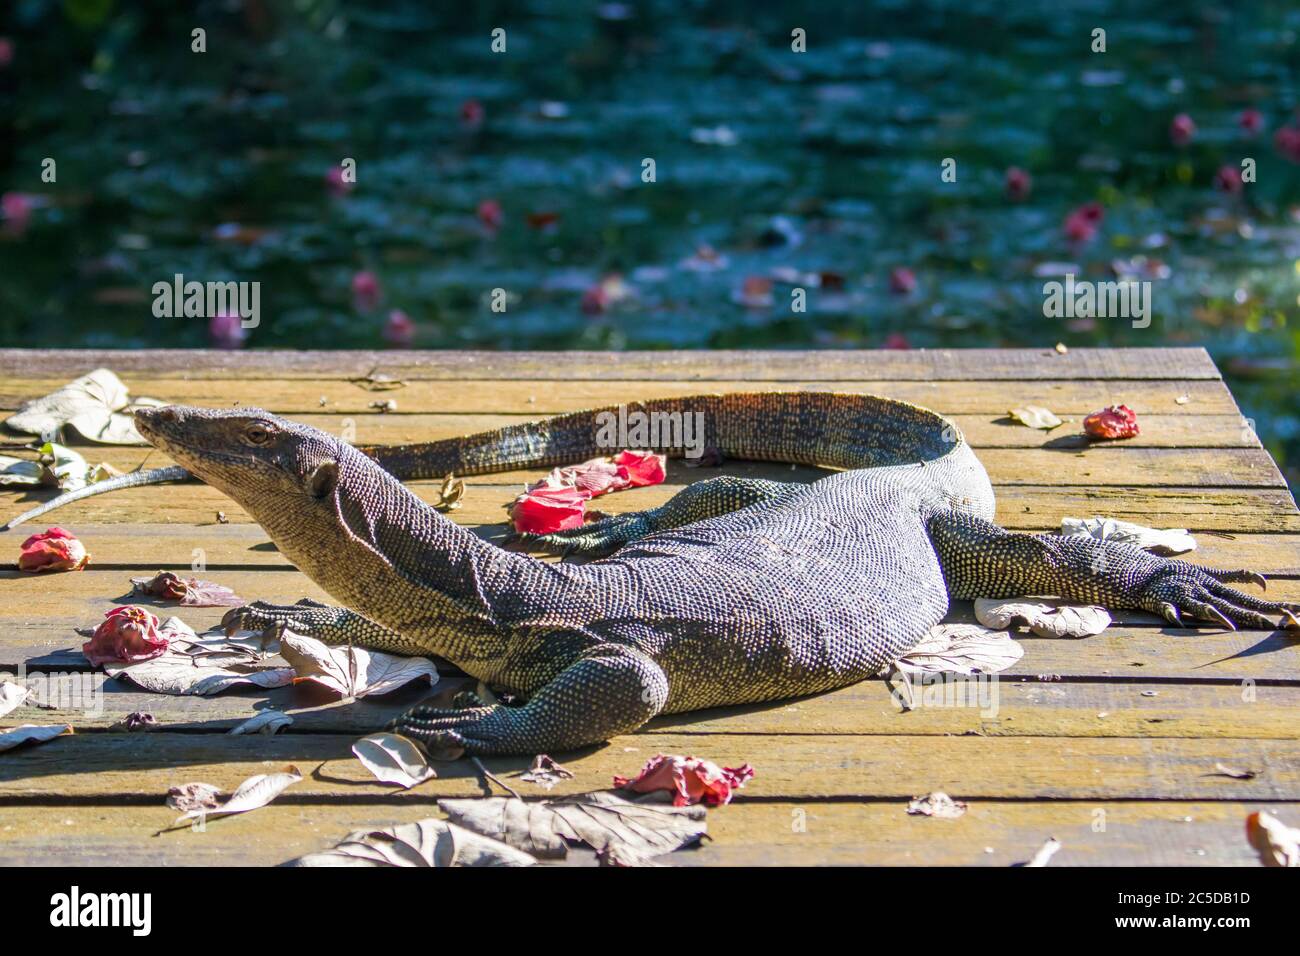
column 262, row 461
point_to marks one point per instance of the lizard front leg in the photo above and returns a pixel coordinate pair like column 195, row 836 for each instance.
column 704, row 499
column 611, row 689
column 333, row 625
column 980, row 559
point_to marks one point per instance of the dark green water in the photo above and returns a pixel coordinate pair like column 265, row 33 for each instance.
column 824, row 162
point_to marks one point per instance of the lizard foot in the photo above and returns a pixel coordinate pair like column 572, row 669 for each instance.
column 448, row 733
column 595, row 538
column 333, row 625
column 1182, row 588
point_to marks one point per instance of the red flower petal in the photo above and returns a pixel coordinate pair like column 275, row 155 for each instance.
column 53, row 550
column 1115, row 421
column 689, row 779
column 643, row 467
column 127, row 634
column 543, row 510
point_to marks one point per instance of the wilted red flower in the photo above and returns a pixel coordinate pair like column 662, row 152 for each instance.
column 642, row 467
column 1181, row 129
column 897, row 341
column 489, row 213
column 226, row 331
column 337, row 184
column 902, row 281
column 53, row 550
column 472, row 114
column 6, row 51
column 1114, row 421
column 608, row 292
column 399, row 330
column 127, row 634
column 543, row 221
column 1081, row 224
column 17, row 210
column 1251, row 121
column 1228, row 179
column 366, row 291
column 1018, row 183
column 1287, row 142
column 688, row 779
column 542, row 510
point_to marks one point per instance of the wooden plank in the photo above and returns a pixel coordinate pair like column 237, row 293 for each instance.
column 991, row 707
column 991, row 833
column 1025, row 507
column 118, row 768
column 734, row 365
column 144, row 547
column 1098, row 466
column 534, row 399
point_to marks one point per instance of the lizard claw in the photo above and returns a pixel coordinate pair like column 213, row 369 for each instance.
column 1214, row 614
column 1181, row 588
column 1171, row 614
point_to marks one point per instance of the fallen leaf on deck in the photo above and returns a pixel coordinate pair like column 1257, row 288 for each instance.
column 11, row 696
column 937, row 804
column 1167, row 541
column 961, row 649
column 1045, row 620
column 352, row 671
column 269, row 722
column 135, row 722
column 1223, row 770
column 453, row 489
column 688, row 779
column 194, row 796
column 54, row 467
column 1045, row 852
column 190, row 592
column 1276, row 843
column 545, row 772
column 253, row 793
column 429, row 842
column 1035, row 416
column 201, row 668
column 32, row 734
column 605, row 821
column 379, row 382
column 1114, row 421
column 393, row 758
column 97, row 406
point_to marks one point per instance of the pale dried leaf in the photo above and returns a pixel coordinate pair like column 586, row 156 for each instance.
column 961, row 649
column 545, row 772
column 1276, row 843
column 11, row 696
column 21, row 472
column 353, row 671
column 194, row 796
column 393, row 758
column 1035, row 416
column 199, row 668
column 452, row 491
column 635, row 831
column 269, row 722
column 1045, row 852
column 32, row 734
column 96, row 405
column 937, row 804
column 1045, row 620
column 429, row 842
column 1236, row 773
column 253, row 793
column 1166, row 541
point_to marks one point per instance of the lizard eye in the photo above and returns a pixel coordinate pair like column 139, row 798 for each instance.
column 257, row 434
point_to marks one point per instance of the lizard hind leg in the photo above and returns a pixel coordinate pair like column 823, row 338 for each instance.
column 697, row 502
column 611, row 689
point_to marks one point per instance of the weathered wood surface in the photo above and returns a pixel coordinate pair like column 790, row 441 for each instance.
column 1111, row 743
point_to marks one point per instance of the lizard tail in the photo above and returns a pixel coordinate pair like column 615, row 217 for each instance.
column 824, row 429
column 153, row 476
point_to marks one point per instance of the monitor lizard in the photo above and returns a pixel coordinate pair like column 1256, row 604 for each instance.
column 736, row 591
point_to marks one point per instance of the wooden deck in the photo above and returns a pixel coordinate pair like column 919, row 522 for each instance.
column 1109, row 743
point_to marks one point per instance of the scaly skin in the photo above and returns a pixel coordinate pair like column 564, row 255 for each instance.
column 735, row 591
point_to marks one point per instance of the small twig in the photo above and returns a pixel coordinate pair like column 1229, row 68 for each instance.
column 495, row 779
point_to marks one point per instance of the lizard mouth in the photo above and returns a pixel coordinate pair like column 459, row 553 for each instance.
column 160, row 427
